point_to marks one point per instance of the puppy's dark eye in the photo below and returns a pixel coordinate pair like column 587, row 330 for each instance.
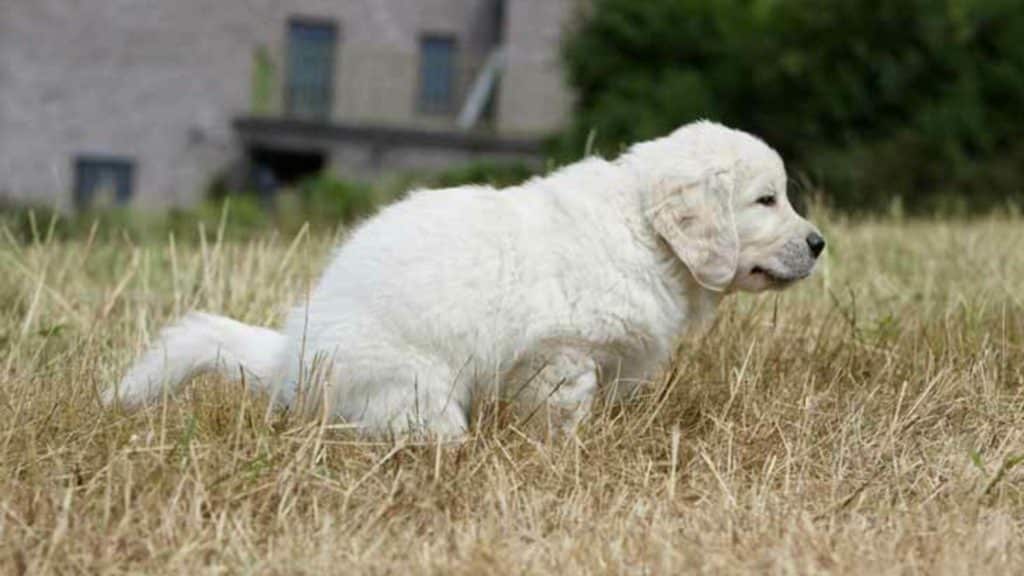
column 768, row 200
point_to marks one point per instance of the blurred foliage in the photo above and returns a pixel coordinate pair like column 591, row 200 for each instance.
column 496, row 174
column 264, row 79
column 867, row 99
column 326, row 198
column 242, row 217
column 323, row 202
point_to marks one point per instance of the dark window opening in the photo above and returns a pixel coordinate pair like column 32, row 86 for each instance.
column 309, row 88
column 437, row 75
column 103, row 182
column 272, row 168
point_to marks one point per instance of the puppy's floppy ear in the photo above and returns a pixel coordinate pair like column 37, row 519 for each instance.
column 697, row 221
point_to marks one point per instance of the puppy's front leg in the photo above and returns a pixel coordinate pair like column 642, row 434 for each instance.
column 561, row 390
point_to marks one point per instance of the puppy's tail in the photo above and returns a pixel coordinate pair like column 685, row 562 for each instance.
column 198, row 344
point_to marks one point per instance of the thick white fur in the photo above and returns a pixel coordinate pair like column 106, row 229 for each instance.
column 584, row 277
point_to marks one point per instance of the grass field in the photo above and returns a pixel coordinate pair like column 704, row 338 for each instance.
column 866, row 422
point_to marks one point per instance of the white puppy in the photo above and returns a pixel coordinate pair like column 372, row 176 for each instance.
column 567, row 282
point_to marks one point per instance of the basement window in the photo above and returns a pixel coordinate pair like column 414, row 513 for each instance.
column 103, row 182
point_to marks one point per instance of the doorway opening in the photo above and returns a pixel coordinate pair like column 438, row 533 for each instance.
column 272, row 169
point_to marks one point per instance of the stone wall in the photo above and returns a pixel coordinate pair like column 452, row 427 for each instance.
column 161, row 81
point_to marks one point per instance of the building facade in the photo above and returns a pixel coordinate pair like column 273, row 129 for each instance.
column 146, row 102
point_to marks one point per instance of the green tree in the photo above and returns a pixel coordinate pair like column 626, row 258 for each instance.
column 923, row 99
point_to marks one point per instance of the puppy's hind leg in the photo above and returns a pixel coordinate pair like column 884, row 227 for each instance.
column 420, row 399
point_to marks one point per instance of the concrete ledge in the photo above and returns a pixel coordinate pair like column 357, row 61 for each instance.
column 259, row 130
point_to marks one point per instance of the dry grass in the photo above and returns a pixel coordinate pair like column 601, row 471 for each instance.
column 868, row 421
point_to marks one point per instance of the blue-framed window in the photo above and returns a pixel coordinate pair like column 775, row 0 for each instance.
column 103, row 181
column 437, row 74
column 309, row 88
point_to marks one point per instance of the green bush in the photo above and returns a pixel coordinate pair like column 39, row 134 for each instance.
column 323, row 202
column 498, row 174
column 332, row 201
column 869, row 99
column 242, row 218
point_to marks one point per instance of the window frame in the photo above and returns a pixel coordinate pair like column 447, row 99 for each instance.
column 424, row 105
column 288, row 101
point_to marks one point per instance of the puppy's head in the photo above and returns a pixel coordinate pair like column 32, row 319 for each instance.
column 717, row 196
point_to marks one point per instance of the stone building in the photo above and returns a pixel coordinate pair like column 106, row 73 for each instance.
column 146, row 102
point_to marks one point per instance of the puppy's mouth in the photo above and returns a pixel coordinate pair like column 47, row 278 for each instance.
column 777, row 278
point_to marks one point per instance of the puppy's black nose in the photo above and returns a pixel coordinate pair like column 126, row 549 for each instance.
column 816, row 243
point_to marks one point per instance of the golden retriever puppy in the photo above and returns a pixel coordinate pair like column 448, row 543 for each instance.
column 556, row 286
